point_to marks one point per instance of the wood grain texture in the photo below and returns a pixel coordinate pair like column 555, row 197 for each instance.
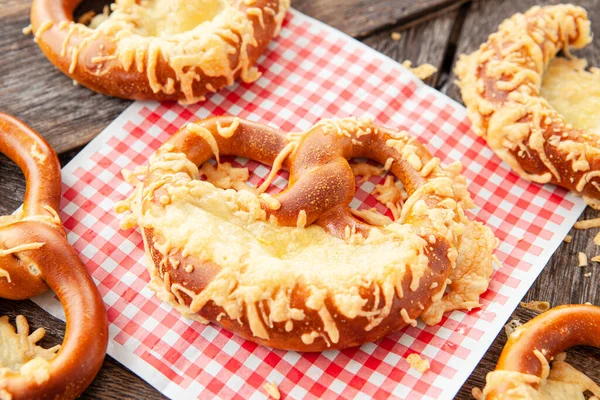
column 360, row 18
column 561, row 282
column 420, row 43
column 69, row 117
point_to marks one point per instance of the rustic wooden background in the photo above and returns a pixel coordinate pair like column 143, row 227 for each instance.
column 433, row 31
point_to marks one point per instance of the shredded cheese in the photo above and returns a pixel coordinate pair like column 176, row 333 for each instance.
column 418, row 363
column 539, row 306
column 582, row 257
column 587, row 224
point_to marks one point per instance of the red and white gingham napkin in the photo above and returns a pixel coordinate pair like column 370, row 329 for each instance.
column 310, row 72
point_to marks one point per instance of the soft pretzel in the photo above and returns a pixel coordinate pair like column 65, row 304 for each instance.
column 298, row 270
column 159, row 50
column 35, row 255
column 523, row 371
column 500, row 86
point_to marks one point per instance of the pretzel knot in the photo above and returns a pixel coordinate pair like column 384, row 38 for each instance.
column 298, row 270
column 523, row 370
column 35, row 256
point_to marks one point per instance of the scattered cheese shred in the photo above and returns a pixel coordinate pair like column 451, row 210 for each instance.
column 418, row 363
column 272, row 390
column 511, row 326
column 596, row 259
column 583, row 261
column 395, row 36
column 422, row 71
column 539, row 306
column 568, row 239
column 587, row 224
column 597, row 239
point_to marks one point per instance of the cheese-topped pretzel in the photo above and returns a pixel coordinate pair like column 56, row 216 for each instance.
column 35, row 255
column 523, row 371
column 159, row 49
column 297, row 270
column 500, row 86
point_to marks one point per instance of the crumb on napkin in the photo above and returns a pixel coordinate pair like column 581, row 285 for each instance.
column 418, row 363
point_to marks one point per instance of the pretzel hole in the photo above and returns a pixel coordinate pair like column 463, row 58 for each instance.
column 240, row 173
column 377, row 201
column 155, row 18
column 88, row 9
column 379, row 194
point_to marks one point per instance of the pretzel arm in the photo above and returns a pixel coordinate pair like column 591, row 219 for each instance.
column 500, row 85
column 86, row 337
column 38, row 162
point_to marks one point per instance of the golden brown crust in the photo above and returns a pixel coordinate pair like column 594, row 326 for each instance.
column 500, row 85
column 302, row 313
column 543, row 338
column 140, row 67
column 35, row 255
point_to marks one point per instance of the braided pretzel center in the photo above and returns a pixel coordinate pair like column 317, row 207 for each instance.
column 301, row 255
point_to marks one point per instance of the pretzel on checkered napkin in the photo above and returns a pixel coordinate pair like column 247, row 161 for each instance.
column 35, row 256
column 523, row 370
column 297, row 270
column 500, row 86
column 159, row 50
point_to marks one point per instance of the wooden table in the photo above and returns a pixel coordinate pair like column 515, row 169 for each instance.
column 433, row 31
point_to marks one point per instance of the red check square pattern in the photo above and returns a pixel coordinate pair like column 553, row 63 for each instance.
column 310, row 72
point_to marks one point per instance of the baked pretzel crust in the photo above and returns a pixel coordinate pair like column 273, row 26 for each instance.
column 120, row 60
column 301, row 310
column 34, row 256
column 500, row 85
column 543, row 338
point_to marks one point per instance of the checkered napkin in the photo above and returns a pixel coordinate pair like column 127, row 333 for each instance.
column 310, row 72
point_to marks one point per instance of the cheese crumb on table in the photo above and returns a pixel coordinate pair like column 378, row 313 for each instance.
column 582, row 259
column 511, row 326
column 422, row 71
column 418, row 363
column 272, row 390
column 539, row 306
column 396, row 36
column 587, row 224
column 596, row 259
column 597, row 239
column 567, row 239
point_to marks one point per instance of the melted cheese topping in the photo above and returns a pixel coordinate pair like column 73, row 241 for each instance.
column 188, row 35
column 19, row 354
column 574, row 92
column 515, row 120
column 262, row 262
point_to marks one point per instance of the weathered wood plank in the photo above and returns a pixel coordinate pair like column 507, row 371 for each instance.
column 425, row 42
column 561, row 282
column 32, row 89
column 359, row 18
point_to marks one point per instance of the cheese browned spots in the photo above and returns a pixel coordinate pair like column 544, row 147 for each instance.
column 502, row 87
column 262, row 264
